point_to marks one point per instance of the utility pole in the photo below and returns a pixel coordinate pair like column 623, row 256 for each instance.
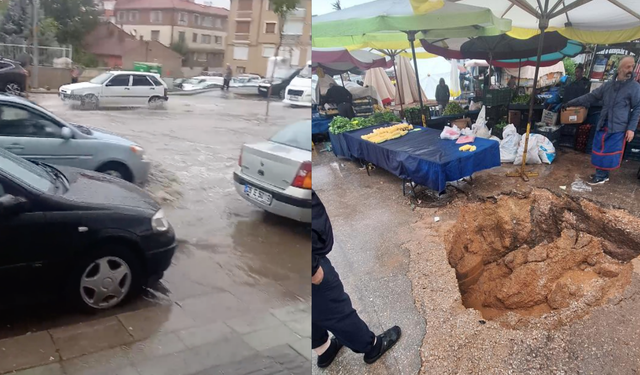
column 34, row 70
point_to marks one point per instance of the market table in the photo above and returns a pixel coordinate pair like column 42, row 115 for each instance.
column 423, row 158
column 319, row 124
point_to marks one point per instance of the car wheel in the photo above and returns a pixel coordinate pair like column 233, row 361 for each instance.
column 90, row 101
column 156, row 102
column 116, row 170
column 13, row 88
column 281, row 94
column 105, row 279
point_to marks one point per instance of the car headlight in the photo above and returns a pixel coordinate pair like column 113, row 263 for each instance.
column 138, row 151
column 159, row 222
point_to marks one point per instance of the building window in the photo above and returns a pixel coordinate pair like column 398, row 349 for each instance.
column 270, row 27
column 156, row 16
column 196, row 19
column 155, row 35
column 182, row 37
column 293, row 28
column 243, row 27
column 122, row 16
column 206, row 39
column 218, row 23
column 268, row 50
column 208, row 21
column 183, row 18
column 269, row 5
column 200, row 56
column 194, row 38
column 241, row 69
column 241, row 52
column 218, row 39
column 245, row 5
column 133, row 16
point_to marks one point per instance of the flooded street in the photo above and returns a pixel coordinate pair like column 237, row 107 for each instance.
column 237, row 296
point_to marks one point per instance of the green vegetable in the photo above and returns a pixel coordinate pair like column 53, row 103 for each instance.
column 342, row 124
column 453, row 108
column 521, row 99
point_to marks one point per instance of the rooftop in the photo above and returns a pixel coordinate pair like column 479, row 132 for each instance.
column 170, row 4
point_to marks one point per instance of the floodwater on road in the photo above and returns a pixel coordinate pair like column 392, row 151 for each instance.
column 227, row 246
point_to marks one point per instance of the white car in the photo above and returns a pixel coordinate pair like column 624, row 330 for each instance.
column 299, row 91
column 117, row 89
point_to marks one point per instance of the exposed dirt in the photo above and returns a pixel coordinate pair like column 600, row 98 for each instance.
column 541, row 254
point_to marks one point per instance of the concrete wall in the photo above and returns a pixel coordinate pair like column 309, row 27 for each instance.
column 50, row 77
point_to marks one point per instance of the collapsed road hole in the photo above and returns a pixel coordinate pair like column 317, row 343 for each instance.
column 541, row 254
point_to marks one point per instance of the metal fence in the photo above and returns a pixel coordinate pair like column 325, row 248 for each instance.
column 46, row 55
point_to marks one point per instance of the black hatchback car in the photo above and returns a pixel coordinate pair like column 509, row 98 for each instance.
column 65, row 232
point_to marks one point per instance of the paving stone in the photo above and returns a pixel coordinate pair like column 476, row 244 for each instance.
column 257, row 365
column 107, row 362
column 155, row 346
column 155, row 320
column 254, row 323
column 90, row 337
column 270, row 337
column 216, row 307
column 286, row 357
column 197, row 336
column 27, row 351
column 292, row 312
column 301, row 326
column 172, row 364
column 52, row 369
column 303, row 346
column 216, row 354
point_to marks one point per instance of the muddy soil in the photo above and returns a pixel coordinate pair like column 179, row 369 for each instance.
column 541, row 254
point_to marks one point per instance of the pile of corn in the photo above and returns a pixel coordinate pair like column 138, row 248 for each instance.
column 387, row 133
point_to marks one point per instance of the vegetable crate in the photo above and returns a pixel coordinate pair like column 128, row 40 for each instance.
column 497, row 97
column 552, row 133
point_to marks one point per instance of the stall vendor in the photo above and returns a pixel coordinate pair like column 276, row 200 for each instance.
column 580, row 86
column 618, row 120
column 342, row 98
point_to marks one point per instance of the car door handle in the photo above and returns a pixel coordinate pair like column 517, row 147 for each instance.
column 15, row 146
column 126, row 88
column 152, row 88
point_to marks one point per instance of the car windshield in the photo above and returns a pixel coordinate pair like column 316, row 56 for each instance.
column 306, row 72
column 296, row 135
column 102, row 78
column 26, row 172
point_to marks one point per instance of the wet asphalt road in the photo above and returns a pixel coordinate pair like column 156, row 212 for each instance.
column 229, row 250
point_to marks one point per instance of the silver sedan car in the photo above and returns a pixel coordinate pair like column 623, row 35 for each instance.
column 34, row 133
column 275, row 175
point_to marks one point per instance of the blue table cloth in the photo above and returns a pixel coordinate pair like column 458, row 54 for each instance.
column 423, row 157
column 320, row 125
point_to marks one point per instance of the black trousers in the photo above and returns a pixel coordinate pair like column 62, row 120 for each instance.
column 331, row 310
column 226, row 83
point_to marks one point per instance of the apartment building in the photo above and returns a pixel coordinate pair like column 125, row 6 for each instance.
column 254, row 34
column 202, row 28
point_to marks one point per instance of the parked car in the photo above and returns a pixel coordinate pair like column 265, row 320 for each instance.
column 279, row 84
column 31, row 131
column 13, row 77
column 245, row 84
column 298, row 93
column 201, row 83
column 117, row 89
column 275, row 175
column 66, row 233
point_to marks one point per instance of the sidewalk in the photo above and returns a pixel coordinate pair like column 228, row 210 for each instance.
column 212, row 334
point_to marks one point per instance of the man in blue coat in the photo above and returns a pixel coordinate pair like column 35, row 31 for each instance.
column 331, row 308
column 618, row 121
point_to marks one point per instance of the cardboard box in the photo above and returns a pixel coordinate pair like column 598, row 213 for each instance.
column 573, row 115
column 462, row 123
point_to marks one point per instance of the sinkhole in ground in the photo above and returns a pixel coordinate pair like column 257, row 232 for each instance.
column 541, row 253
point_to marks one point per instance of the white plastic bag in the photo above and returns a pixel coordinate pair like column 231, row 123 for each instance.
column 450, row 132
column 494, row 138
column 479, row 128
column 509, row 144
column 466, row 131
column 540, row 150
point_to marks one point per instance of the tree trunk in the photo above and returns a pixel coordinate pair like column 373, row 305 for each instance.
column 281, row 21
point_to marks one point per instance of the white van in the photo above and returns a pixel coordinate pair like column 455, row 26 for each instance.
column 298, row 93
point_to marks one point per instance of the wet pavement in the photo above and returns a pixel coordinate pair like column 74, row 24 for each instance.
column 237, row 296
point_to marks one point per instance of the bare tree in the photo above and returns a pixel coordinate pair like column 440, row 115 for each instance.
column 336, row 5
column 281, row 8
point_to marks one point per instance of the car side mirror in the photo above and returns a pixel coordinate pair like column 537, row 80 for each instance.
column 12, row 205
column 66, row 133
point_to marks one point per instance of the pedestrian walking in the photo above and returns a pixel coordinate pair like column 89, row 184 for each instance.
column 228, row 74
column 331, row 309
column 618, row 122
column 442, row 95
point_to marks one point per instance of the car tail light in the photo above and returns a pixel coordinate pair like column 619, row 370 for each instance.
column 303, row 177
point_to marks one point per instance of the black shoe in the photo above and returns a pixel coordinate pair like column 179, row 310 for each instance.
column 597, row 180
column 384, row 342
column 327, row 357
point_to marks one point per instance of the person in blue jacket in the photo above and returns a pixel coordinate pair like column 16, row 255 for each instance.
column 618, row 120
column 331, row 308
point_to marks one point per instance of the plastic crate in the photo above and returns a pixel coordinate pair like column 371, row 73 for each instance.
column 568, row 141
column 569, row 130
column 552, row 133
column 497, row 97
column 632, row 149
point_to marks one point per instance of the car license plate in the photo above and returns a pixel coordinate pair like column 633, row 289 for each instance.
column 294, row 98
column 258, row 195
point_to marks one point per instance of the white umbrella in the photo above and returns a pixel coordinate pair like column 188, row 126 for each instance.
column 378, row 79
column 454, row 84
column 406, row 83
